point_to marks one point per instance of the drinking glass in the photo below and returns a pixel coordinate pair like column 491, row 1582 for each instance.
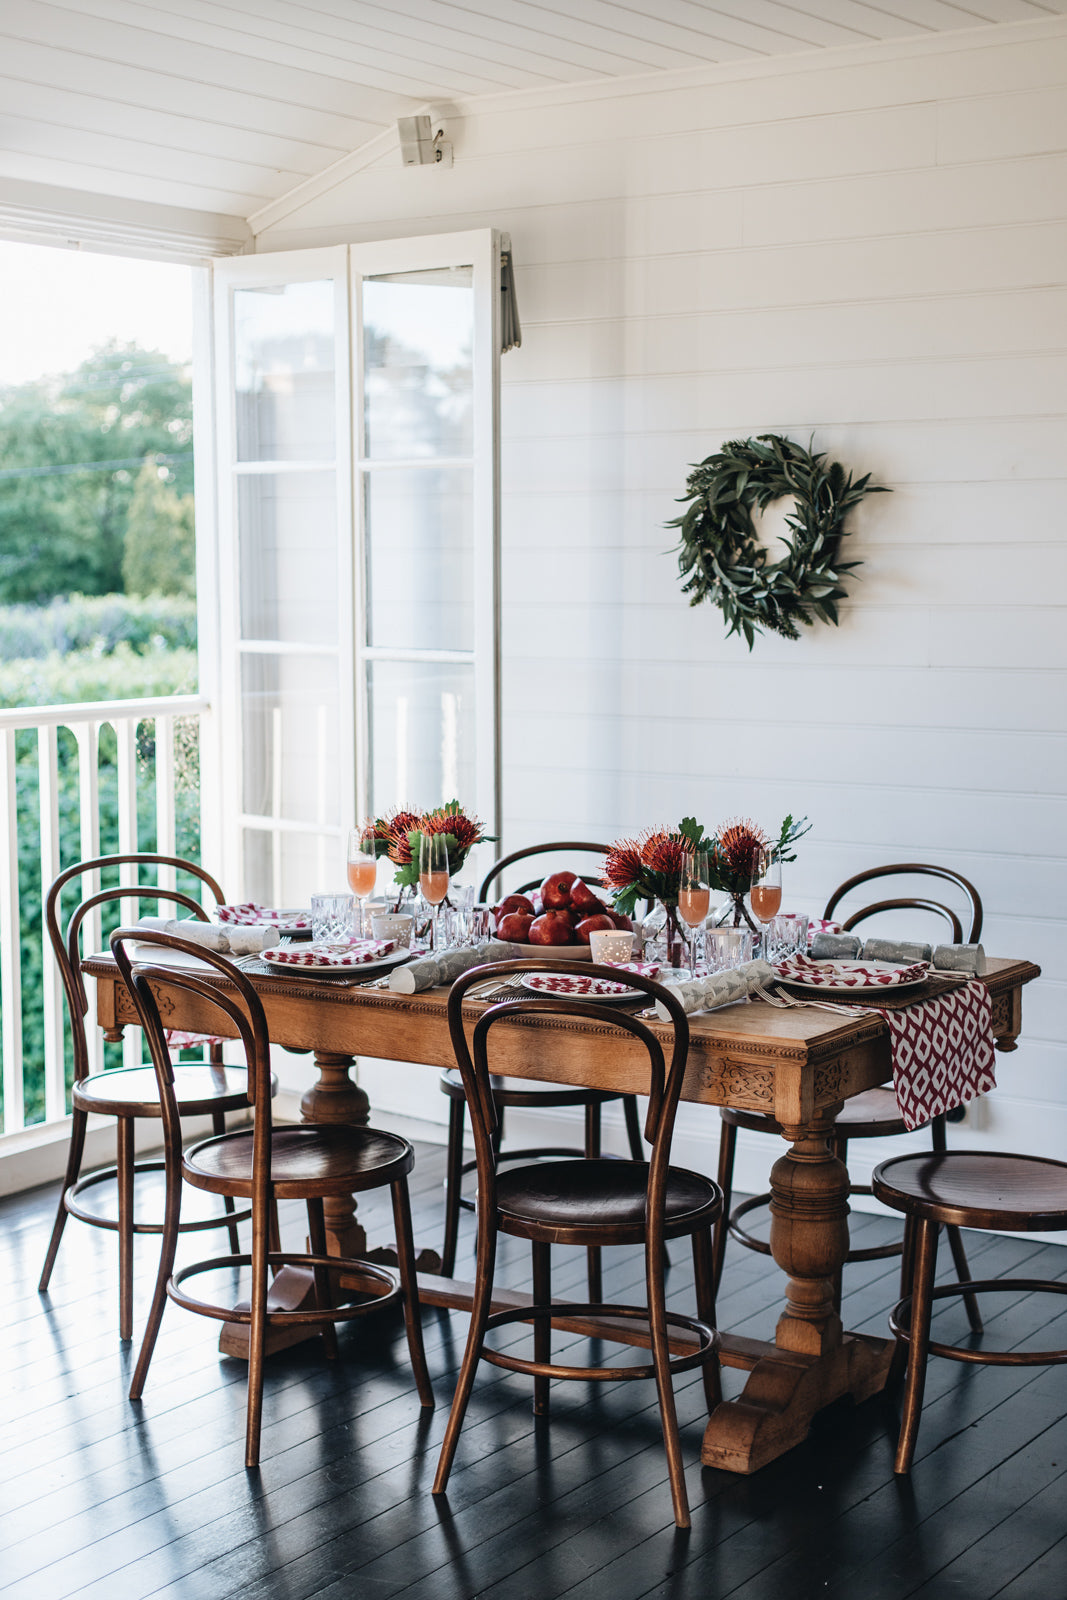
column 694, row 898
column 362, row 869
column 332, row 917
column 765, row 896
column 433, row 876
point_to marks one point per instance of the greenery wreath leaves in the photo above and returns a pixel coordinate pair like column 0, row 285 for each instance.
column 720, row 553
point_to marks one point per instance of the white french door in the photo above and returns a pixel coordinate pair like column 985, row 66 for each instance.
column 358, row 510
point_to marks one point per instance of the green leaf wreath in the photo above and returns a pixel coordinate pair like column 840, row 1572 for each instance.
column 722, row 558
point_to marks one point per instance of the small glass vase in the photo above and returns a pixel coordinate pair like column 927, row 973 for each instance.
column 664, row 941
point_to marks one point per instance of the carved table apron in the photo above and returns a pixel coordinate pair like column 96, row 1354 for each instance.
column 797, row 1065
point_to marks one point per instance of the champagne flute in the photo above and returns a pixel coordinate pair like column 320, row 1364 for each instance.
column 362, row 869
column 433, row 876
column 694, row 898
column 765, row 896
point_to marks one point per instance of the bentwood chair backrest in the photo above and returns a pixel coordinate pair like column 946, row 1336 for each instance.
column 913, row 869
column 664, row 1083
column 67, row 946
column 244, row 1009
column 551, row 849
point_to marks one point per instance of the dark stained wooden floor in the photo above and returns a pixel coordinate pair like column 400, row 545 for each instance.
column 102, row 1499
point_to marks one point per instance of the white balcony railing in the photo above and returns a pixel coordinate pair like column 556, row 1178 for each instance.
column 78, row 781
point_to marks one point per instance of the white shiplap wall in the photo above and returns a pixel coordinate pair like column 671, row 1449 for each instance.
column 868, row 247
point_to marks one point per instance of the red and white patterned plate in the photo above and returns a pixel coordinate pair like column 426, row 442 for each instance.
column 849, row 977
column 335, row 960
column 575, row 987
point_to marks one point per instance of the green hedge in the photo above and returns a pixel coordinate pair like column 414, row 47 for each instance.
column 57, row 680
column 99, row 623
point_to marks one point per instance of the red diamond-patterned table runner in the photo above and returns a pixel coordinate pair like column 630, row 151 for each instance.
column 943, row 1053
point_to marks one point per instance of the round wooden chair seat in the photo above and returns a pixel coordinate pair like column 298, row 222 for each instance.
column 527, row 1092
column 200, row 1089
column 312, row 1159
column 569, row 1201
column 870, row 1115
column 977, row 1189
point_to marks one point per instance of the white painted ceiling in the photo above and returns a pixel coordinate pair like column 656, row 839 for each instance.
column 223, row 105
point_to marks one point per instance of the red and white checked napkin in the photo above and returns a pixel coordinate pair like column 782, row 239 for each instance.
column 349, row 954
column 821, row 925
column 838, row 975
column 249, row 913
column 647, row 969
column 943, row 1053
column 573, row 986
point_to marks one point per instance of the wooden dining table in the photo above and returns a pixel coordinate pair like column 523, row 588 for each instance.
column 798, row 1065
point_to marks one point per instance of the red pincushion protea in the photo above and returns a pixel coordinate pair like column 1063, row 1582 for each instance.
column 622, row 864
column 395, row 828
column 467, row 831
column 736, row 845
column 664, row 852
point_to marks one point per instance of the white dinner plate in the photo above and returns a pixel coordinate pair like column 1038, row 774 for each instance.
column 567, row 986
column 294, row 969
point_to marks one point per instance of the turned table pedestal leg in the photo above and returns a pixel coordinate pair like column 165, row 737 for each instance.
column 813, row 1362
column 336, row 1098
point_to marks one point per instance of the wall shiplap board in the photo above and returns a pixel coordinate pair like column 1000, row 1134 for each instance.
column 869, row 250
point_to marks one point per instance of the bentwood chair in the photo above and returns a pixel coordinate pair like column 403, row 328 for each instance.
column 871, row 1115
column 515, row 1094
column 963, row 1189
column 203, row 1089
column 590, row 1204
column 262, row 1165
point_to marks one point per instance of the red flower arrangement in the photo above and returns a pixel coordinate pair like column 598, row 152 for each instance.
column 398, row 835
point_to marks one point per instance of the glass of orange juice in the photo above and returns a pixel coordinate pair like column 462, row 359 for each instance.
column 694, row 898
column 765, row 895
column 362, row 869
column 433, row 875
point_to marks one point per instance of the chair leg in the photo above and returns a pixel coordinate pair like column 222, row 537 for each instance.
column 483, row 1298
column 657, row 1317
column 257, row 1331
column 274, row 1234
column 727, row 1151
column 594, row 1268
column 704, row 1284
column 633, row 1127
column 542, row 1296
column 218, row 1126
column 939, row 1140
column 125, row 1175
column 457, row 1114
column 323, row 1288
column 168, row 1246
column 405, row 1256
column 919, row 1330
column 75, row 1150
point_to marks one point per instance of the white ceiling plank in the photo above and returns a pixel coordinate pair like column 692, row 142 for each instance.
column 432, row 32
column 70, row 173
column 229, row 107
column 772, row 28
column 252, row 43
column 197, row 62
column 183, row 135
column 384, row 34
column 565, row 33
column 118, row 154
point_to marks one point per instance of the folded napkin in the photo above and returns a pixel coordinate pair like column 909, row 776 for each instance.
column 343, row 954
column 847, row 974
column 720, row 989
column 227, row 941
column 817, row 925
column 251, row 914
column 432, row 971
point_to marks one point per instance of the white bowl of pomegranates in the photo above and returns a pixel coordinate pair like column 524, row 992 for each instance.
column 557, row 918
